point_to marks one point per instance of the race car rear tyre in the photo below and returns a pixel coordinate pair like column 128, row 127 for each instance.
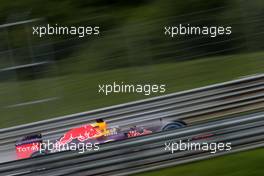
column 173, row 126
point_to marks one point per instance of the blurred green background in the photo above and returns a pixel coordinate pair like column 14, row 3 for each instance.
column 46, row 77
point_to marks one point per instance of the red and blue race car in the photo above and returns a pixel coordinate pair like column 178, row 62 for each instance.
column 95, row 133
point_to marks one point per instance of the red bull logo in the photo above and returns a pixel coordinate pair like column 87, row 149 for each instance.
column 82, row 134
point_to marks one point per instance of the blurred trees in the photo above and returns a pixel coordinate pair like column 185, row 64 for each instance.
column 132, row 32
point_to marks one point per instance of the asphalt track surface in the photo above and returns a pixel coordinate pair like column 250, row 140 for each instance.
column 197, row 105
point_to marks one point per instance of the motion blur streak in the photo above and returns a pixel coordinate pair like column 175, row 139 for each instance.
column 123, row 157
column 194, row 106
column 58, row 76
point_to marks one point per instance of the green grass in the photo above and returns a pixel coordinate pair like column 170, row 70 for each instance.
column 248, row 163
column 79, row 92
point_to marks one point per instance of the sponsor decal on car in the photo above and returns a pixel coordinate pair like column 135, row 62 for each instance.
column 25, row 150
column 134, row 133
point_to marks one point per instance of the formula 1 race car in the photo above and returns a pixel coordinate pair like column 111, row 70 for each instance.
column 96, row 133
